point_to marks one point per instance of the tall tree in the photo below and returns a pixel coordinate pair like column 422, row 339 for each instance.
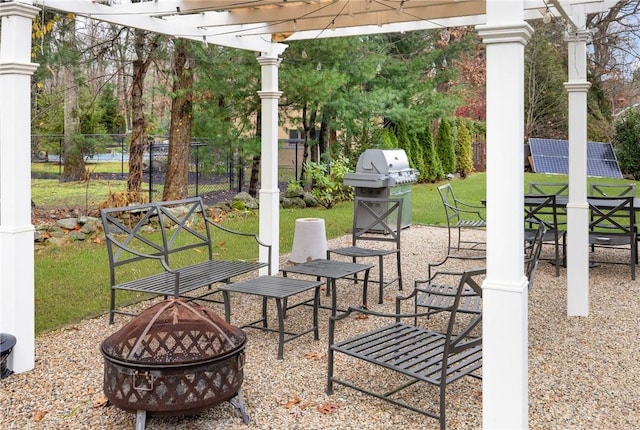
column 545, row 74
column 176, row 179
column 73, row 155
column 463, row 149
column 145, row 45
column 445, row 146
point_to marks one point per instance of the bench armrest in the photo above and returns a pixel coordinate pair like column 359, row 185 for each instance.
column 211, row 222
column 124, row 248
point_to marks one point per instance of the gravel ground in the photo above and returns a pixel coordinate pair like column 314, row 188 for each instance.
column 584, row 373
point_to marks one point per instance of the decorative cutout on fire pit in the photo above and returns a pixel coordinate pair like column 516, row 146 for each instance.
column 174, row 358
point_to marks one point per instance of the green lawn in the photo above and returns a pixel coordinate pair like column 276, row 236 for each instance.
column 72, row 282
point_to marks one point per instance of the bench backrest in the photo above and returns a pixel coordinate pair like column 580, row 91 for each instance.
column 155, row 230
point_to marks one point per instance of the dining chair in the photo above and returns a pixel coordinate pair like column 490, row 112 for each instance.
column 557, row 188
column 375, row 221
column 543, row 210
column 461, row 216
column 438, row 291
column 532, row 251
column 612, row 190
column 546, row 188
column 613, row 226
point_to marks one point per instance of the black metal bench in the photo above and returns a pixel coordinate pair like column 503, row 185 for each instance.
column 177, row 237
column 419, row 353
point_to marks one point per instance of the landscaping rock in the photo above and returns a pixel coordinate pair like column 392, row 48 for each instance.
column 77, row 235
column 243, row 197
column 67, row 223
column 297, row 202
column 57, row 241
column 310, row 200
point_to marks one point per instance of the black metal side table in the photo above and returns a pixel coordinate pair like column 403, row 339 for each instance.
column 280, row 289
column 332, row 270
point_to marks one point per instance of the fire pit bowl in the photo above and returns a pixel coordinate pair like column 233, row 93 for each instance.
column 174, row 358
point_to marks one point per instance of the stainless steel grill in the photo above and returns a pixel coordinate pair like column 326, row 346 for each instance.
column 384, row 173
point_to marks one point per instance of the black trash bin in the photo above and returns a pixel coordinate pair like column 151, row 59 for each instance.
column 7, row 342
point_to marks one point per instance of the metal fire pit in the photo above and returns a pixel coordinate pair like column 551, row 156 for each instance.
column 174, row 358
column 383, row 173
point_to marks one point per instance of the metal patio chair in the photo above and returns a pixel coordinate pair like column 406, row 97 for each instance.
column 612, row 190
column 532, row 252
column 418, row 354
column 542, row 209
column 613, row 225
column 375, row 221
column 438, row 292
column 460, row 216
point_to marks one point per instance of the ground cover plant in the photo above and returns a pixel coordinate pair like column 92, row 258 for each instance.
column 72, row 282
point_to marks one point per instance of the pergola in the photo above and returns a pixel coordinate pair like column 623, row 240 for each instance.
column 264, row 26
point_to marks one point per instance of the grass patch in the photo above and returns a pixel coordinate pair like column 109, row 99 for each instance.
column 51, row 193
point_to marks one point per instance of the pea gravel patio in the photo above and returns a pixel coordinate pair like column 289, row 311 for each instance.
column 584, row 373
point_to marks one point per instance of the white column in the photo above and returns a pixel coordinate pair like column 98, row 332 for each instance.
column 505, row 292
column 16, row 231
column 577, row 208
column 269, row 192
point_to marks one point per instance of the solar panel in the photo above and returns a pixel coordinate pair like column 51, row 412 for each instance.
column 552, row 156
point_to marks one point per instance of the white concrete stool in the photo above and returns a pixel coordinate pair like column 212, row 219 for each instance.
column 309, row 240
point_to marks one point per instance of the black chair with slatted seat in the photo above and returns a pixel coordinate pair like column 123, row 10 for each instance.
column 377, row 223
column 613, row 226
column 543, row 209
column 461, row 216
column 612, row 190
column 438, row 292
column 428, row 356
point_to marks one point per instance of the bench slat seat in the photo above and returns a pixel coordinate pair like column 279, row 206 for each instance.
column 191, row 277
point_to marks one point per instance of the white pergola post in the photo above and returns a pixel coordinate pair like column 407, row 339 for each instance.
column 505, row 292
column 577, row 208
column 269, row 192
column 16, row 231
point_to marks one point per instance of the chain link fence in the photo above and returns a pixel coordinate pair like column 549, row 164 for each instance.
column 214, row 169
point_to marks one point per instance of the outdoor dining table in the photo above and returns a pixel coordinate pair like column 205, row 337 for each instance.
column 332, row 270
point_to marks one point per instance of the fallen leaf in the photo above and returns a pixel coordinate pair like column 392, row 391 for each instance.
column 96, row 240
column 328, row 408
column 294, row 401
column 39, row 415
column 100, row 401
column 314, row 355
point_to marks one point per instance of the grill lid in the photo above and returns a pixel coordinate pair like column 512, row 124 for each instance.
column 382, row 161
column 174, row 332
column 378, row 168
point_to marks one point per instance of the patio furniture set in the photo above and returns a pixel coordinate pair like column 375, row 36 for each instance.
column 411, row 347
column 612, row 221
